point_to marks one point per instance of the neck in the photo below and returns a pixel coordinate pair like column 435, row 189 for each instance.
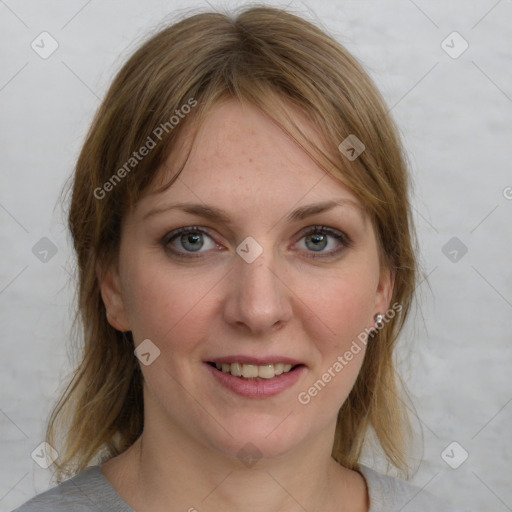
column 154, row 473
column 170, row 469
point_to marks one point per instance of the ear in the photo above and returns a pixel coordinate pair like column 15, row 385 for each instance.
column 384, row 292
column 111, row 294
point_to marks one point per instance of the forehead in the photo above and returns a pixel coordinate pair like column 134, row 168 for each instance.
column 240, row 156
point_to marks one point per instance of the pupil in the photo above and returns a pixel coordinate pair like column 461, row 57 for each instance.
column 193, row 239
column 317, row 240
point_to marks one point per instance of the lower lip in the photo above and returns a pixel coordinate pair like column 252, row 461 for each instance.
column 252, row 388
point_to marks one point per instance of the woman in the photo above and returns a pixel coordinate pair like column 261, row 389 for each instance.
column 246, row 262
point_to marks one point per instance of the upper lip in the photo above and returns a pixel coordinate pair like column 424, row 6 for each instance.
column 259, row 361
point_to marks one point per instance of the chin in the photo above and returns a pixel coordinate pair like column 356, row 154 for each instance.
column 261, row 437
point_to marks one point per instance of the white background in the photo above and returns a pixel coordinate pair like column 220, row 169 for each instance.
column 456, row 118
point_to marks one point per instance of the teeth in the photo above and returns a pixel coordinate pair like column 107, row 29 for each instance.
column 236, row 369
column 266, row 372
column 251, row 371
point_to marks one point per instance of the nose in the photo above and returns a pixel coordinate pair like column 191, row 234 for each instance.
column 258, row 298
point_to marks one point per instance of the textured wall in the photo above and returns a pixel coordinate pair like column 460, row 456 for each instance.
column 454, row 107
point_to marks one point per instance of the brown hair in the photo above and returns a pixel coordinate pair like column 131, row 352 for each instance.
column 272, row 59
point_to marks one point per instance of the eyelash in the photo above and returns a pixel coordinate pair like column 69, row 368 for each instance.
column 341, row 237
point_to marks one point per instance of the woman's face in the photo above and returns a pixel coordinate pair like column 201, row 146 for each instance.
column 278, row 266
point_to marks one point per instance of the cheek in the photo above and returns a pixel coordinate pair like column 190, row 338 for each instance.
column 340, row 308
column 172, row 308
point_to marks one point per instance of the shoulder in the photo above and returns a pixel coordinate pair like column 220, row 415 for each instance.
column 88, row 491
column 388, row 494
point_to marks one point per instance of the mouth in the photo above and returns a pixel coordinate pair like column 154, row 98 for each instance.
column 255, row 372
column 256, row 377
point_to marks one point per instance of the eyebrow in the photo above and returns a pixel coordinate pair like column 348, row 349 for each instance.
column 217, row 215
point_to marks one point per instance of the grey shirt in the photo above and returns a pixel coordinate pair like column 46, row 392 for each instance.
column 90, row 491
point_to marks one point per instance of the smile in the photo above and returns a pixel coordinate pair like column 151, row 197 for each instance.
column 253, row 378
column 253, row 371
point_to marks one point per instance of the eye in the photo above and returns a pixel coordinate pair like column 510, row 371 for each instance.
column 318, row 238
column 190, row 239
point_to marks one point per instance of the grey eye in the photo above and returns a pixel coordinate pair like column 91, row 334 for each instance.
column 317, row 241
column 188, row 240
column 192, row 241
